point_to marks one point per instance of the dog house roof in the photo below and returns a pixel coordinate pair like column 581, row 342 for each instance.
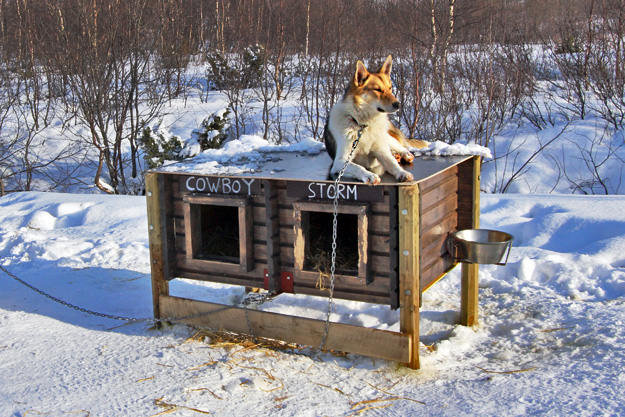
column 303, row 166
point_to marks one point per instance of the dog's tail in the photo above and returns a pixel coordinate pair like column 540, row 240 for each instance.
column 416, row 143
column 408, row 143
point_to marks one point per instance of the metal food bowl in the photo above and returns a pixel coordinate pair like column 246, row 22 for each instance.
column 480, row 246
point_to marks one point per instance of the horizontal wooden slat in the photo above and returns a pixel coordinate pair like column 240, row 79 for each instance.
column 227, row 200
column 213, row 267
column 437, row 213
column 441, row 229
column 178, row 208
column 432, row 281
column 435, row 180
column 231, row 278
column 432, row 272
column 431, row 253
column 347, row 208
column 285, row 217
column 181, row 244
column 304, row 331
column 353, row 295
column 260, row 233
column 379, row 224
column 442, row 191
column 379, row 285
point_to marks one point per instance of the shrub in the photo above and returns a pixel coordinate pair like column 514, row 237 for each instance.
column 243, row 70
column 212, row 131
column 218, row 72
column 160, row 146
column 569, row 44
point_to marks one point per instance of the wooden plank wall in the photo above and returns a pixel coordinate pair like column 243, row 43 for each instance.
column 468, row 198
column 439, row 216
column 447, row 205
column 378, row 290
column 194, row 269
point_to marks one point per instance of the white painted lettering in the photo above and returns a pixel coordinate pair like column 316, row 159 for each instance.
column 249, row 185
column 321, row 187
column 200, row 184
column 189, row 184
column 330, row 191
column 213, row 187
column 354, row 191
column 341, row 187
column 225, row 185
column 333, row 195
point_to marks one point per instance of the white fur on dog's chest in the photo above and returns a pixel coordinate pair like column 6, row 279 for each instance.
column 375, row 134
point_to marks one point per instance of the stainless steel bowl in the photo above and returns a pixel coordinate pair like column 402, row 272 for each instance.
column 480, row 246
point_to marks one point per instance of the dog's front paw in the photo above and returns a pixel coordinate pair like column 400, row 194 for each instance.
column 404, row 176
column 371, row 178
column 407, row 157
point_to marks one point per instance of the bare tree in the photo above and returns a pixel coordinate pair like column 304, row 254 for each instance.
column 110, row 80
column 517, row 166
column 592, row 169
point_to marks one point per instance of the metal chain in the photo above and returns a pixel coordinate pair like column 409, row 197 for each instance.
column 66, row 304
column 253, row 298
column 176, row 320
column 334, row 234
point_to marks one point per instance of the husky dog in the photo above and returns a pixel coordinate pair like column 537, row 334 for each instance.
column 364, row 110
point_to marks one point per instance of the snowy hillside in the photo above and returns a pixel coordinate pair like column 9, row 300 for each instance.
column 550, row 339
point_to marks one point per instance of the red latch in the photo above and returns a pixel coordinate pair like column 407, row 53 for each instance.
column 286, row 281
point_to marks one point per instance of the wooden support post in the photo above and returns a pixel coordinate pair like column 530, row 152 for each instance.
column 469, row 296
column 157, row 234
column 409, row 288
column 272, row 221
column 470, row 272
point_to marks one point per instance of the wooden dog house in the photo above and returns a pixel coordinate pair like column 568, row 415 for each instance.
column 270, row 222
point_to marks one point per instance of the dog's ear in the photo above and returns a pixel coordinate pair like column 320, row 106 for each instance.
column 361, row 73
column 387, row 66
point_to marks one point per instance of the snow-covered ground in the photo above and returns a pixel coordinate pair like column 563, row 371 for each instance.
column 550, row 339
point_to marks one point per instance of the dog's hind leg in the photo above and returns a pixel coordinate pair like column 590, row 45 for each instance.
column 390, row 164
column 400, row 153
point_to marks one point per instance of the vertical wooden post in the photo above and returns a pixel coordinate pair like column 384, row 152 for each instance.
column 156, row 233
column 272, row 221
column 470, row 272
column 409, row 288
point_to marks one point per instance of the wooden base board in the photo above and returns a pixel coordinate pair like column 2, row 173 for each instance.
column 304, row 331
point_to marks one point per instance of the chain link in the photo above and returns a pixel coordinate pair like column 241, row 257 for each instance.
column 256, row 299
column 334, row 235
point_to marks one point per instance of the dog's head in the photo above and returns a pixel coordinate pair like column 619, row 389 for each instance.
column 373, row 89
